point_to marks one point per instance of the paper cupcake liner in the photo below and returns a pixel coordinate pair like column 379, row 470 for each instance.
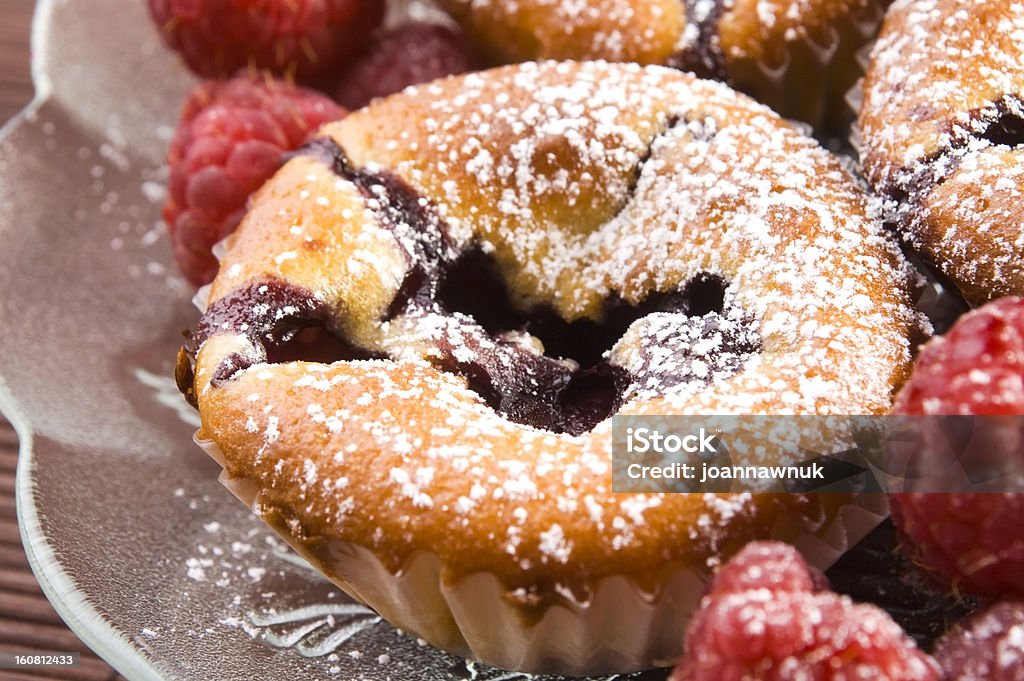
column 804, row 81
column 202, row 296
column 621, row 628
column 404, row 11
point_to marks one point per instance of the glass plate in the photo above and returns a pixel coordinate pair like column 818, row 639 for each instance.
column 154, row 564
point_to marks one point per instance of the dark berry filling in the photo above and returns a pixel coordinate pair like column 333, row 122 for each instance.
column 525, row 386
column 570, row 385
column 704, row 56
column 419, row 230
column 474, row 287
column 1007, row 126
column 1000, row 123
column 284, row 322
column 529, row 365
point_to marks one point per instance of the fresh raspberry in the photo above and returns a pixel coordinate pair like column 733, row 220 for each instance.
column 976, row 368
column 231, row 138
column 762, row 619
column 303, row 38
column 410, row 54
column 988, row 645
column 971, row 542
column 768, row 565
column 968, row 542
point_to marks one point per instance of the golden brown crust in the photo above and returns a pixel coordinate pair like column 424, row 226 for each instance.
column 941, row 98
column 584, row 181
column 354, row 493
column 935, row 61
column 359, row 270
column 797, row 56
column 646, row 32
column 972, row 224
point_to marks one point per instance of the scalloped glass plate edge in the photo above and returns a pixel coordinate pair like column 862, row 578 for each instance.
column 57, row 585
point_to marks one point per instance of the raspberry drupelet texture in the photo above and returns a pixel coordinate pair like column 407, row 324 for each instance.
column 970, row 542
column 989, row 645
column 304, row 38
column 232, row 136
column 410, row 54
column 766, row 617
column 976, row 368
column 768, row 565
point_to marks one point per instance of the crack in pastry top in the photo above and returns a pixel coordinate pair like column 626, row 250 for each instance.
column 536, row 165
column 699, row 49
column 508, row 368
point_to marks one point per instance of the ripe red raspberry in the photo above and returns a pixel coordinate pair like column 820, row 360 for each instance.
column 988, row 645
column 231, row 138
column 773, row 566
column 972, row 542
column 299, row 37
column 968, row 542
column 410, row 54
column 976, row 368
column 763, row 620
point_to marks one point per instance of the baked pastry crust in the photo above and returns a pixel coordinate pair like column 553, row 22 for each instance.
column 941, row 124
column 619, row 30
column 797, row 56
column 583, row 181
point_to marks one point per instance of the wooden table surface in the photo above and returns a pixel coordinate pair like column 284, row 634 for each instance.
column 27, row 621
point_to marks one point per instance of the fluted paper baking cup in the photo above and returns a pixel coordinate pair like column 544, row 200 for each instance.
column 808, row 78
column 620, row 628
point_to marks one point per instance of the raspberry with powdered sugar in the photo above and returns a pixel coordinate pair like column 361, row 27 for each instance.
column 768, row 616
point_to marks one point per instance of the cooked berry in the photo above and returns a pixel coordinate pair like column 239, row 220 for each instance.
column 410, row 54
column 989, row 645
column 971, row 542
column 231, row 138
column 764, row 621
column 300, row 37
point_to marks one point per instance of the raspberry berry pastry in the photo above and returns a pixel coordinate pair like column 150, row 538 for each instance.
column 942, row 124
column 303, row 38
column 797, row 56
column 500, row 262
column 232, row 136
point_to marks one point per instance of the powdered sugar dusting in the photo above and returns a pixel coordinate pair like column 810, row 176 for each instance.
column 584, row 182
column 618, row 30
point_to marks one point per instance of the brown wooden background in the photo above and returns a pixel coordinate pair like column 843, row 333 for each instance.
column 27, row 621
